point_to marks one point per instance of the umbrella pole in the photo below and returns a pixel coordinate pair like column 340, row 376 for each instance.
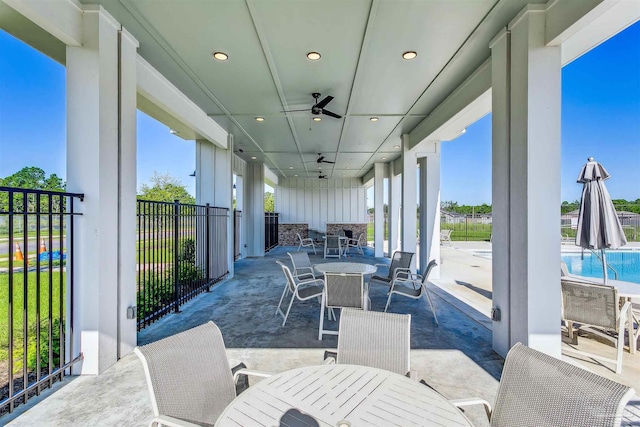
column 604, row 266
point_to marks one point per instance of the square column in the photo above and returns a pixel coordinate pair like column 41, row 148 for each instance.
column 394, row 209
column 430, row 209
column 526, row 186
column 378, row 211
column 409, row 198
column 101, row 163
column 254, row 209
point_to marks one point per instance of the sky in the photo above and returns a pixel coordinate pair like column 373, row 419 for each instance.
column 600, row 118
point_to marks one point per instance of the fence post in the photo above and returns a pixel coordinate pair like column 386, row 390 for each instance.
column 176, row 249
column 206, row 251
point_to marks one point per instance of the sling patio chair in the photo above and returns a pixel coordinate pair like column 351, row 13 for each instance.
column 306, row 242
column 539, row 390
column 371, row 338
column 302, row 268
column 189, row 378
column 355, row 242
column 302, row 290
column 400, row 268
column 332, row 247
column 341, row 290
column 417, row 288
column 445, row 236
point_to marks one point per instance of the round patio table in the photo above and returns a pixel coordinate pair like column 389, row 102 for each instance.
column 345, row 267
column 331, row 394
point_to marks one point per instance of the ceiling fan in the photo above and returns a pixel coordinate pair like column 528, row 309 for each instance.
column 318, row 107
column 320, row 159
column 323, row 176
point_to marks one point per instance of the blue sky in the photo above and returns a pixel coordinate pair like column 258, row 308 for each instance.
column 600, row 118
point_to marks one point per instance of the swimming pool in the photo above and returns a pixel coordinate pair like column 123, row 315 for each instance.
column 626, row 263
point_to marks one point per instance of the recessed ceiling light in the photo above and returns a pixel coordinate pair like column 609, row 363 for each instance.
column 220, row 56
column 253, row 157
column 384, row 158
column 259, row 119
column 295, row 175
column 409, row 55
column 397, row 147
column 316, row 119
column 313, row 56
column 344, row 175
column 348, row 167
column 319, row 167
column 290, row 167
column 374, row 119
column 173, row 131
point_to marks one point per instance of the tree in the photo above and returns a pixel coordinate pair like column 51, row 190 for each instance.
column 269, row 202
column 34, row 178
column 165, row 188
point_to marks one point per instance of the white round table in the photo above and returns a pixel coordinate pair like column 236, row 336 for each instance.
column 345, row 267
column 361, row 395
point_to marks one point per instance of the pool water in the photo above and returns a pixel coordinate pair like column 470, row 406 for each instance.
column 626, row 263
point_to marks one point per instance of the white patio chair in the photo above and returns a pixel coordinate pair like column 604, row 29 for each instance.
column 539, row 390
column 378, row 340
column 413, row 287
column 594, row 305
column 302, row 267
column 445, row 236
column 355, row 242
column 302, row 290
column 341, row 290
column 332, row 247
column 189, row 378
column 306, row 242
column 400, row 268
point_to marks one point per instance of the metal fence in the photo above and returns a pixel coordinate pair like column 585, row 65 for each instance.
column 467, row 227
column 237, row 237
column 36, row 291
column 270, row 230
column 182, row 251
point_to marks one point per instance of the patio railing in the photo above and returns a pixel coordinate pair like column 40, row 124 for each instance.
column 36, row 291
column 182, row 251
column 270, row 230
column 237, row 226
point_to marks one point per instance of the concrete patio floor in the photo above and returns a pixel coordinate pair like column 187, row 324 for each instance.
column 455, row 357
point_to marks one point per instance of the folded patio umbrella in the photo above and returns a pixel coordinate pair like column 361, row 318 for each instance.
column 598, row 223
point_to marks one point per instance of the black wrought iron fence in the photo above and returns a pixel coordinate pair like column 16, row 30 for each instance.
column 270, row 230
column 36, row 291
column 182, row 251
column 237, row 227
column 467, row 227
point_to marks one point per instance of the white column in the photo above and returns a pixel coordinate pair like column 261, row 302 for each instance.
column 430, row 209
column 240, row 206
column 394, row 209
column 378, row 197
column 101, row 163
column 409, row 197
column 254, row 209
column 526, row 147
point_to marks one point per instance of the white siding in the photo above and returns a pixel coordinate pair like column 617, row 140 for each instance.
column 317, row 202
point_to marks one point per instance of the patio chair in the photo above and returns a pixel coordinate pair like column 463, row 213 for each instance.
column 445, row 236
column 302, row 290
column 539, row 390
column 341, row 290
column 306, row 243
column 418, row 287
column 189, row 378
column 378, row 340
column 302, row 268
column 332, row 247
column 594, row 305
column 400, row 268
column 355, row 242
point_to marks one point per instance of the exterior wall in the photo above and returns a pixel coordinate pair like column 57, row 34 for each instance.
column 287, row 233
column 317, row 202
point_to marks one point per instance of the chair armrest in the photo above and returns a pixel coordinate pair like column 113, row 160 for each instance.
column 306, row 282
column 330, row 357
column 381, row 265
column 250, row 372
column 165, row 420
column 406, row 272
column 459, row 403
column 413, row 375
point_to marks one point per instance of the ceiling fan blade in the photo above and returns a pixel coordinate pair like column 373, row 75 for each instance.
column 330, row 114
column 295, row 111
column 324, row 102
column 326, row 161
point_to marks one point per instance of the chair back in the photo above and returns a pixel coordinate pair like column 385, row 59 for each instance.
column 564, row 270
column 188, row 375
column 287, row 274
column 400, row 260
column 590, row 304
column 299, row 260
column 333, row 244
column 344, row 290
column 299, row 238
column 430, row 266
column 375, row 339
column 539, row 390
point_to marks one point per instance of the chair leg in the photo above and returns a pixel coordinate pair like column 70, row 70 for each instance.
column 299, row 246
column 293, row 296
column 284, row 292
column 433, row 309
column 321, row 318
column 388, row 302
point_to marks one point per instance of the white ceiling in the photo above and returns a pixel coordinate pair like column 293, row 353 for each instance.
column 361, row 42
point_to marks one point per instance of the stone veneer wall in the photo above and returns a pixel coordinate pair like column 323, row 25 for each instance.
column 287, row 233
column 356, row 228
